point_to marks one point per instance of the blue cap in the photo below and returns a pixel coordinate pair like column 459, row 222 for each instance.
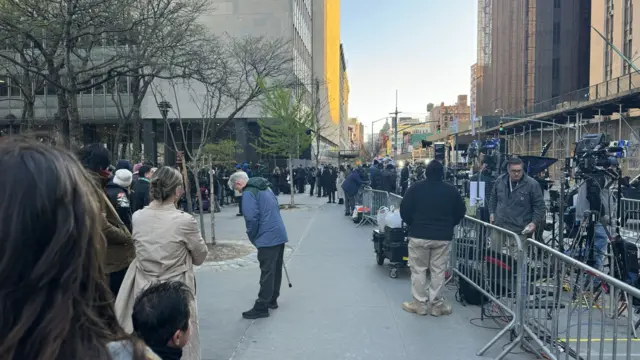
column 238, row 166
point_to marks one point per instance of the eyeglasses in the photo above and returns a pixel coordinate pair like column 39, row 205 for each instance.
column 515, row 171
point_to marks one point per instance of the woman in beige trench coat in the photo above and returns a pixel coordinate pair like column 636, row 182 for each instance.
column 167, row 243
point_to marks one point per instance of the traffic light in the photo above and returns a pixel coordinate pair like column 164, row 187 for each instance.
column 501, row 128
column 438, row 129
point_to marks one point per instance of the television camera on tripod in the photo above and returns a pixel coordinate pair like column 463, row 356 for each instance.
column 598, row 189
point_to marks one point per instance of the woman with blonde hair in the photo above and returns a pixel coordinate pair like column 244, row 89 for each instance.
column 55, row 301
column 168, row 244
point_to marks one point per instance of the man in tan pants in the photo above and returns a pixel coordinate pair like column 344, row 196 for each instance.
column 431, row 208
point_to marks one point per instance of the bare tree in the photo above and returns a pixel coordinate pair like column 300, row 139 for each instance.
column 242, row 64
column 28, row 84
column 85, row 44
column 321, row 125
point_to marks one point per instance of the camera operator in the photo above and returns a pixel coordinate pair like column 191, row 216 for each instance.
column 593, row 196
column 516, row 203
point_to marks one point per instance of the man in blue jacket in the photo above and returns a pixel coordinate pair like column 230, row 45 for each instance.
column 351, row 186
column 267, row 233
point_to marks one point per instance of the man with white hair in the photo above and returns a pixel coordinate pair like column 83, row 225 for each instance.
column 267, row 233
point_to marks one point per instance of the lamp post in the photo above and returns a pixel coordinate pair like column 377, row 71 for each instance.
column 164, row 107
column 12, row 119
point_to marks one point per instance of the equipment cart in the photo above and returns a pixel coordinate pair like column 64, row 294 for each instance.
column 393, row 246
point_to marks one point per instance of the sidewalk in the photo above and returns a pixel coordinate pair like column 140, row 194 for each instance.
column 342, row 305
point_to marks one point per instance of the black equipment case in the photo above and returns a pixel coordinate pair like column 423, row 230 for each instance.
column 391, row 245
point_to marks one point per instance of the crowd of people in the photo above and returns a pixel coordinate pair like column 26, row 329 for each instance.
column 72, row 258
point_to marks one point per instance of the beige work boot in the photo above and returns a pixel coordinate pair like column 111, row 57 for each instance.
column 414, row 307
column 440, row 308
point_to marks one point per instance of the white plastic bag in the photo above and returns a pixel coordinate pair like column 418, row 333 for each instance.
column 393, row 219
column 382, row 214
column 354, row 214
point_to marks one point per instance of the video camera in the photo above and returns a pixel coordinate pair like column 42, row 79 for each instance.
column 594, row 154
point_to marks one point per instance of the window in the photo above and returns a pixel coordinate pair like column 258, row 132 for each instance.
column 123, row 86
column 85, row 84
column 51, row 90
column 555, row 69
column 14, row 89
column 99, row 89
column 556, row 33
column 4, row 86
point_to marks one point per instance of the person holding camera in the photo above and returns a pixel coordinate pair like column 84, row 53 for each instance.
column 516, row 203
column 593, row 197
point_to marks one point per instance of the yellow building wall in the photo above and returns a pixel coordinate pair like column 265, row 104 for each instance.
column 345, row 93
column 332, row 57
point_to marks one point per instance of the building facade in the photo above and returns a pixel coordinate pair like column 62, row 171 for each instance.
column 472, row 92
column 530, row 51
column 451, row 118
column 356, row 134
column 614, row 20
column 327, row 66
column 343, row 122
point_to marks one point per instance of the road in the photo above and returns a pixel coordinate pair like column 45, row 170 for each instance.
column 342, row 305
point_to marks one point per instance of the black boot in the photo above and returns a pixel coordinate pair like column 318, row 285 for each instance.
column 273, row 305
column 255, row 313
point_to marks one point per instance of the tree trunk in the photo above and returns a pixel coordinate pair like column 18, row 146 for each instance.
column 291, row 187
column 62, row 120
column 187, row 187
column 136, row 152
column 199, row 196
column 75, row 129
column 212, row 198
column 27, row 115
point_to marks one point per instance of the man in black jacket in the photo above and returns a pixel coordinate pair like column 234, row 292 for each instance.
column 140, row 197
column 117, row 191
column 431, row 208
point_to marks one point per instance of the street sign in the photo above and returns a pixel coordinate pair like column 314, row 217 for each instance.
column 453, row 126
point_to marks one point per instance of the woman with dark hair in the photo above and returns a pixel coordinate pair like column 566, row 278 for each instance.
column 55, row 301
column 168, row 244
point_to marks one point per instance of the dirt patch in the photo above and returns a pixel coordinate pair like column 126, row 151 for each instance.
column 228, row 250
column 293, row 207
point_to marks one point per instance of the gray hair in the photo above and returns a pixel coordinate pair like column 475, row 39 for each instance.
column 235, row 177
column 164, row 183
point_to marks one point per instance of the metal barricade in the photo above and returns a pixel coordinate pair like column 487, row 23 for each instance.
column 486, row 259
column 630, row 218
column 372, row 201
column 572, row 310
column 395, row 200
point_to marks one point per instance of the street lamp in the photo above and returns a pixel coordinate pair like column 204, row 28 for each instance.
column 164, row 107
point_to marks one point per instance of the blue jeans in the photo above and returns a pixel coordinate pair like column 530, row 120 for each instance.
column 600, row 241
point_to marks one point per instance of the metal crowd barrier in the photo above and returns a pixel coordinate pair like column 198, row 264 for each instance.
column 486, row 260
column 372, row 201
column 574, row 311
column 630, row 220
column 552, row 305
column 395, row 200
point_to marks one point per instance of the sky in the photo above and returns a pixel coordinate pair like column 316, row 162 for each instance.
column 422, row 48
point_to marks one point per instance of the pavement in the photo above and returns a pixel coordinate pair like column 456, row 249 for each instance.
column 342, row 304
